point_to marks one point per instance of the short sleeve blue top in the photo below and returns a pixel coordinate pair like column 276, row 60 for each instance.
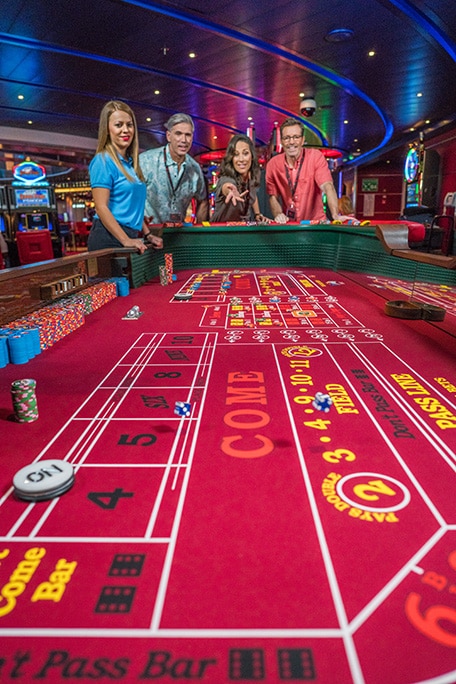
column 126, row 198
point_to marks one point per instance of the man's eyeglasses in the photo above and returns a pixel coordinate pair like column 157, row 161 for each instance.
column 291, row 138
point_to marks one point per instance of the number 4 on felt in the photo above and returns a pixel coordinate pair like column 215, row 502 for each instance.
column 318, row 424
column 108, row 500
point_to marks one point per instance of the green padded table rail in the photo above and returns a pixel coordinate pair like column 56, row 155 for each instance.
column 340, row 248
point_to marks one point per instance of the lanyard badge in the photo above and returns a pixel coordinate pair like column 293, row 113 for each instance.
column 291, row 208
column 175, row 216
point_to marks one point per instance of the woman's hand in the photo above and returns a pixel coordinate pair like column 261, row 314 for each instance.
column 233, row 195
column 154, row 241
column 135, row 243
column 260, row 218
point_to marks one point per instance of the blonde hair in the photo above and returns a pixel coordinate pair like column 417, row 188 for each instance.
column 104, row 141
column 345, row 205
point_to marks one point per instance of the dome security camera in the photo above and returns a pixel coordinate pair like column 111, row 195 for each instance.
column 308, row 106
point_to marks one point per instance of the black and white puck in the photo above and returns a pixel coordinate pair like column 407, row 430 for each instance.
column 43, row 480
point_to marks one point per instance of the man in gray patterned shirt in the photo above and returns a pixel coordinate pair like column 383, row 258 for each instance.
column 173, row 177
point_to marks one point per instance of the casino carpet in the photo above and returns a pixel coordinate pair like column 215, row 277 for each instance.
column 248, row 573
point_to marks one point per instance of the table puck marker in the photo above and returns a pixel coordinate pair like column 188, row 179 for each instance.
column 42, row 496
column 43, row 477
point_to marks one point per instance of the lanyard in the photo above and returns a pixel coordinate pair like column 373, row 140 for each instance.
column 173, row 189
column 287, row 171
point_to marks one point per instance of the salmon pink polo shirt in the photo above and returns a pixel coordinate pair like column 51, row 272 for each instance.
column 307, row 199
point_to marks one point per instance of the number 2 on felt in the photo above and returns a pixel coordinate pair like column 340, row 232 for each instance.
column 376, row 486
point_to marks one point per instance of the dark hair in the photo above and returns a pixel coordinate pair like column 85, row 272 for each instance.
column 227, row 168
column 292, row 122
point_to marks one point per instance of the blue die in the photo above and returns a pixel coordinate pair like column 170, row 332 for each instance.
column 322, row 402
column 182, row 408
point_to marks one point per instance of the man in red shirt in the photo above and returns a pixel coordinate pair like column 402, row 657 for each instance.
column 296, row 180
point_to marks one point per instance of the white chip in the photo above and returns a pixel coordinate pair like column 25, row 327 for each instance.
column 43, row 477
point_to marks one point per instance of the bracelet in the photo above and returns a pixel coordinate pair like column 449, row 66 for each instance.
column 258, row 216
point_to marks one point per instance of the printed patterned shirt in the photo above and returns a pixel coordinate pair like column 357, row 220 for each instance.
column 170, row 195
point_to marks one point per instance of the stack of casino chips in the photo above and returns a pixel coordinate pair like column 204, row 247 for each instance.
column 54, row 322
column 43, row 480
column 24, row 338
column 4, row 354
column 169, row 266
column 104, row 292
column 123, row 287
column 163, row 275
column 24, row 400
column 18, row 348
column 82, row 302
column 22, row 343
column 99, row 294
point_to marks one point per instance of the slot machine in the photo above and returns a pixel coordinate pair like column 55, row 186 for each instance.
column 3, row 211
column 32, row 206
column 4, row 223
column 421, row 180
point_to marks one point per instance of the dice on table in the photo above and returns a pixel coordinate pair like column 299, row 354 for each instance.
column 322, row 402
column 182, row 409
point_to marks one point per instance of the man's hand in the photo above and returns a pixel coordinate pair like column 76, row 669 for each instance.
column 281, row 218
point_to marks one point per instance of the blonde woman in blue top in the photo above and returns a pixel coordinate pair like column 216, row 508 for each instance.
column 118, row 188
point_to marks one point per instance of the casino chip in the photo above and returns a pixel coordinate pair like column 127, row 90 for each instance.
column 43, row 480
column 24, row 400
column 183, row 296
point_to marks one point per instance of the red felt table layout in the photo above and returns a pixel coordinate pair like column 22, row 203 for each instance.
column 258, row 539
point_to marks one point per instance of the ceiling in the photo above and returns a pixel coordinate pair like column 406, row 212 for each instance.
column 253, row 58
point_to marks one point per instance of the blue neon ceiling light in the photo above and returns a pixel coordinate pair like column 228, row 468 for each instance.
column 35, row 44
column 252, row 41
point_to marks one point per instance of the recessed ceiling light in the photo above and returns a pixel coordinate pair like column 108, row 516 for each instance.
column 419, row 94
column 339, row 35
column 20, row 97
column 345, row 121
column 148, row 118
column 371, row 53
column 30, row 122
column 156, row 92
column 192, row 55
